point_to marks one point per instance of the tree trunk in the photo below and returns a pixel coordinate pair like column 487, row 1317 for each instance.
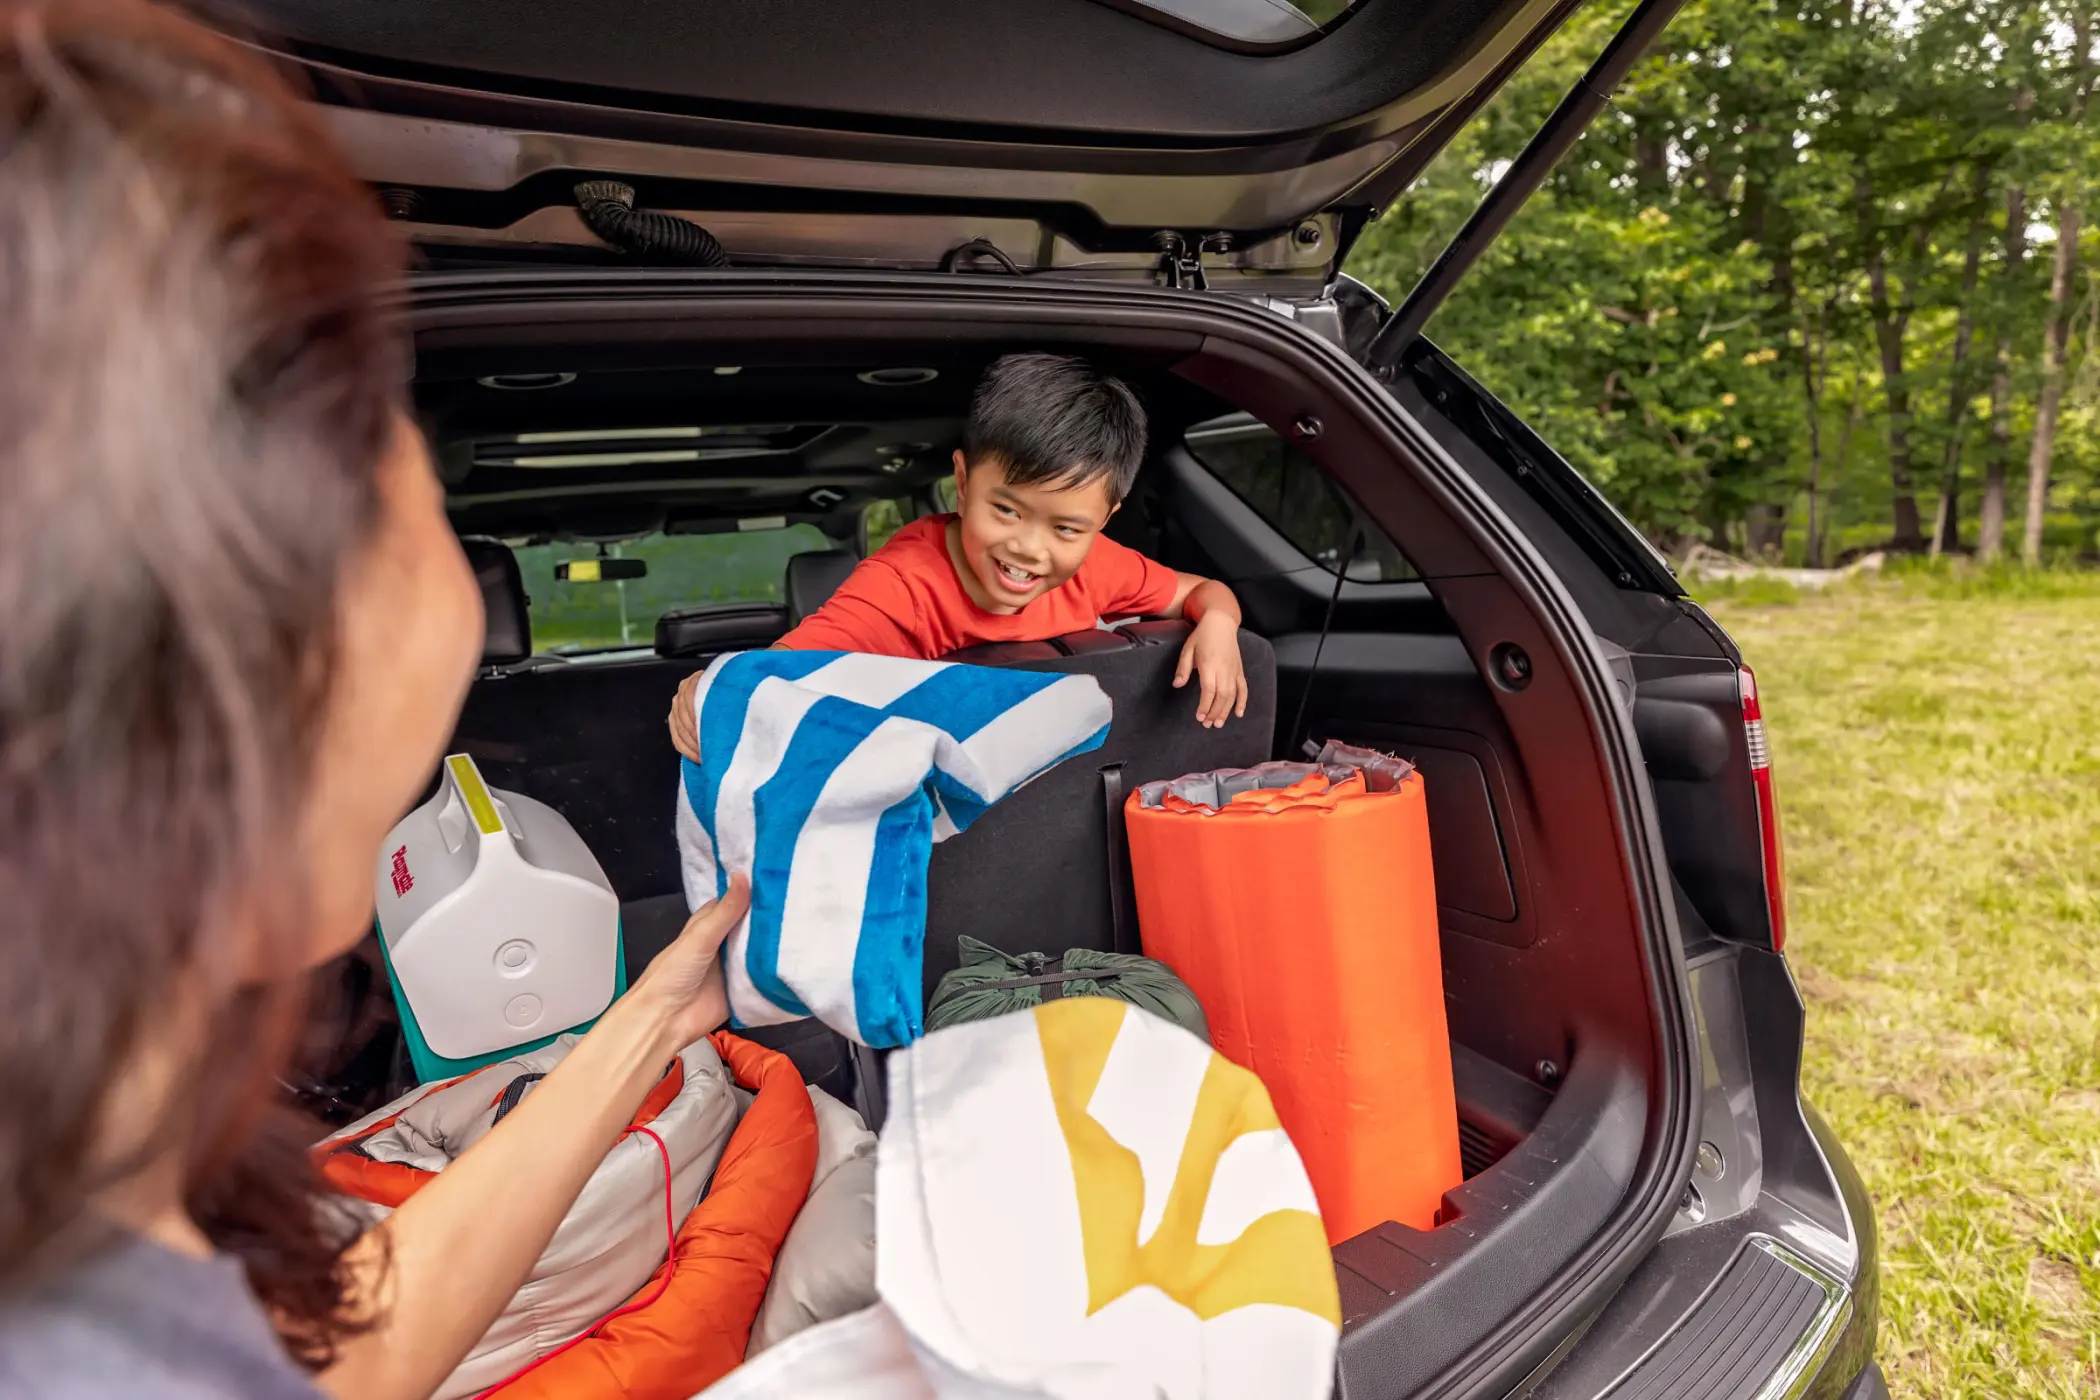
column 1990, row 524
column 1651, row 153
column 1814, row 359
column 1889, row 327
column 2054, row 355
column 1946, row 535
column 1764, row 531
column 1990, row 517
column 1853, row 410
column 2058, row 330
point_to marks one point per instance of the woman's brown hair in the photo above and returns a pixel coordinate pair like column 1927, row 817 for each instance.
column 198, row 380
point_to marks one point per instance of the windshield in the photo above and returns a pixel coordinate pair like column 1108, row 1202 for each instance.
column 745, row 565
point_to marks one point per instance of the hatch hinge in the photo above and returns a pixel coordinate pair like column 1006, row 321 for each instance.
column 1181, row 258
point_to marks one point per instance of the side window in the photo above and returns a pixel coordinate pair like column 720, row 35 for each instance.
column 1287, row 489
column 885, row 518
column 881, row 520
column 744, row 565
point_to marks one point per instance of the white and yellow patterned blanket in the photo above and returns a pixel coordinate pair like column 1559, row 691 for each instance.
column 1078, row 1200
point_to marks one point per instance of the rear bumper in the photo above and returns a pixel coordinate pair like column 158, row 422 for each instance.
column 1770, row 1325
column 1767, row 1286
column 1869, row 1386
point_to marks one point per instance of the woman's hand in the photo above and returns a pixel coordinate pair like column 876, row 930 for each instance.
column 437, row 1272
column 1212, row 652
column 684, row 983
column 685, row 730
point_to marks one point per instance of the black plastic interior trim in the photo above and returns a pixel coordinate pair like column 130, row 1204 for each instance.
column 1077, row 67
column 1619, row 550
column 1411, row 1297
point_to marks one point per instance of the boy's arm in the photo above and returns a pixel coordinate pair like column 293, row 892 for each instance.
column 1195, row 595
column 1212, row 651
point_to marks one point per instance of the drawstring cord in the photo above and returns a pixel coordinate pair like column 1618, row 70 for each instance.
column 634, row 1305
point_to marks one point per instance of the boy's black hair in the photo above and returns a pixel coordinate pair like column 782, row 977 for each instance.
column 1056, row 420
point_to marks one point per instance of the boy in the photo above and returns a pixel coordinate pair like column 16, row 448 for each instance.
column 1051, row 449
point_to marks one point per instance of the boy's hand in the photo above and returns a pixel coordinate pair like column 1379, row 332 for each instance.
column 1213, row 653
column 685, row 730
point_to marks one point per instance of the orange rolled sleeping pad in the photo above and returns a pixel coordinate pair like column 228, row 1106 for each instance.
column 1304, row 918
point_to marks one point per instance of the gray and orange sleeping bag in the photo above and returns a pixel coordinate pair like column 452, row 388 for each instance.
column 734, row 1120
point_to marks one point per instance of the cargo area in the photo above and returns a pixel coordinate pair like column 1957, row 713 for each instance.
column 752, row 451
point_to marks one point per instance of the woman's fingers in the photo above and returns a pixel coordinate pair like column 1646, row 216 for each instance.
column 711, row 923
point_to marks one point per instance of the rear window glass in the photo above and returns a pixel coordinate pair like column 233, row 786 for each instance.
column 1288, row 490
column 747, row 565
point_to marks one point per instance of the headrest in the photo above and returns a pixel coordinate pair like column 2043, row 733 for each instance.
column 814, row 577
column 509, row 637
column 713, row 628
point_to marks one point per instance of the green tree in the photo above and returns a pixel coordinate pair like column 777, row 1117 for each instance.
column 1788, row 268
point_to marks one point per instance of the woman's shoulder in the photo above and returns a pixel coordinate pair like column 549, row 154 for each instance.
column 137, row 1319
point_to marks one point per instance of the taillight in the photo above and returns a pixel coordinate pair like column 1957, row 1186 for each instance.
column 1767, row 807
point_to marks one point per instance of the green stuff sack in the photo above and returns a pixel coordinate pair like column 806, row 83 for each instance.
column 991, row 983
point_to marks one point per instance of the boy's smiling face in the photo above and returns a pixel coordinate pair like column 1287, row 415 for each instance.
column 1013, row 543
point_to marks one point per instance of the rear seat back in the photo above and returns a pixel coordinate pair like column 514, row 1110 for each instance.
column 713, row 628
column 1041, row 871
column 589, row 740
column 718, row 627
column 507, row 636
column 812, row 578
column 1044, row 870
column 587, row 737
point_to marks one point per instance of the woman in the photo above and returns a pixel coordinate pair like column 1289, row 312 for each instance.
column 235, row 630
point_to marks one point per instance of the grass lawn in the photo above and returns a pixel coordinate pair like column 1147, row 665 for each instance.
column 1938, row 764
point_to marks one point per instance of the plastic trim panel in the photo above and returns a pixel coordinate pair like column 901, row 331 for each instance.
column 1760, row 1333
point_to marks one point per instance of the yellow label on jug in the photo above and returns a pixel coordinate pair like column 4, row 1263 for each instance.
column 476, row 793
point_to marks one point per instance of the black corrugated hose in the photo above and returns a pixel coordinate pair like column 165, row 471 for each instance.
column 608, row 207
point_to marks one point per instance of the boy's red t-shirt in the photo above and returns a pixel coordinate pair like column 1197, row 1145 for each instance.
column 905, row 600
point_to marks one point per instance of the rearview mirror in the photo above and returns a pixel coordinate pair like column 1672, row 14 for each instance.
column 600, row 570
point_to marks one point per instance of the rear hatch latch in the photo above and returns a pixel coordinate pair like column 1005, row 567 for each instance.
column 1181, row 258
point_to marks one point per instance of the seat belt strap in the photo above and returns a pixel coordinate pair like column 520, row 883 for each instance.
column 1122, row 895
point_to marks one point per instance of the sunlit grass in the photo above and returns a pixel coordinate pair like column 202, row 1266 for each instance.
column 1936, row 742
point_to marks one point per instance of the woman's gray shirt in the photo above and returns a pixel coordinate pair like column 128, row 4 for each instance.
column 140, row 1320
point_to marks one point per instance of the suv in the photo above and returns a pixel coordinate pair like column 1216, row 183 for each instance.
column 720, row 278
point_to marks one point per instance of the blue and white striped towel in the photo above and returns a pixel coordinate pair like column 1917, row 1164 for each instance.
column 825, row 778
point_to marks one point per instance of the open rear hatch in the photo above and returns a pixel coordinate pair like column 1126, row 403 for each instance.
column 1230, row 143
column 1248, row 139
column 1574, row 1067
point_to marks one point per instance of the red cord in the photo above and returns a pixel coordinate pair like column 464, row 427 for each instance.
column 670, row 1266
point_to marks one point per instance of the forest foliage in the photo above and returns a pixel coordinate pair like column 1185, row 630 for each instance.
column 1821, row 278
